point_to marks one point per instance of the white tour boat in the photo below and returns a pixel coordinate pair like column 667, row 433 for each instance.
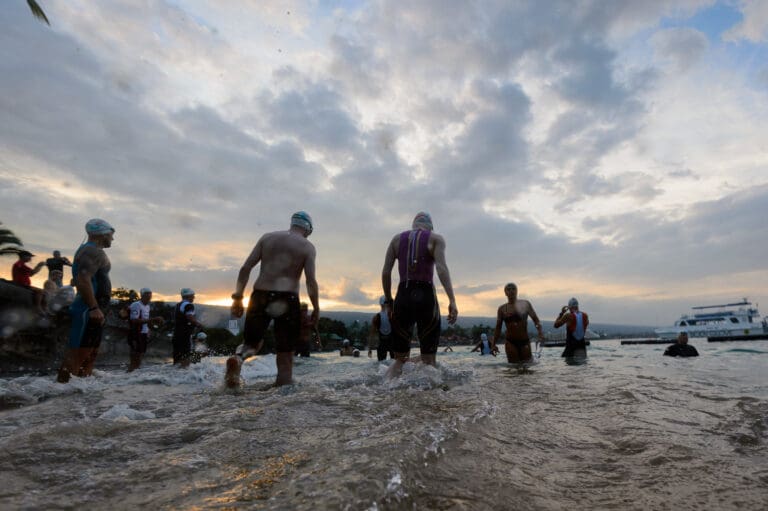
column 739, row 319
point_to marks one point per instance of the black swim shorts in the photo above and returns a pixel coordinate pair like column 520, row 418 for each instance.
column 281, row 306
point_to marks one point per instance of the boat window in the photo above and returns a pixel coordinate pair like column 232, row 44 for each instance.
column 682, row 323
column 735, row 320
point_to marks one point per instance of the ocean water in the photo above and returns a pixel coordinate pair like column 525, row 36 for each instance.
column 628, row 429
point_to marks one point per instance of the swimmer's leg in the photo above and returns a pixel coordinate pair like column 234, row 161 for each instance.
column 72, row 364
column 235, row 363
column 513, row 357
column 86, row 369
column 284, row 368
column 396, row 369
column 525, row 353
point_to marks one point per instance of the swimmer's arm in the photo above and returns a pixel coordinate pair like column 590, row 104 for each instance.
column 37, row 268
column 245, row 271
column 497, row 330
column 89, row 264
column 386, row 272
column 373, row 333
column 536, row 321
column 311, row 280
column 562, row 319
column 445, row 276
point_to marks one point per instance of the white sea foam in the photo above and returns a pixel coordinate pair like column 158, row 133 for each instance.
column 125, row 412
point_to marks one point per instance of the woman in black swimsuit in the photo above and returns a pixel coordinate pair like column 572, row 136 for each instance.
column 514, row 314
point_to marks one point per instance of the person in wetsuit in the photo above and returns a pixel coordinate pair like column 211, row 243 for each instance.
column 681, row 348
column 514, row 316
column 381, row 333
column 184, row 325
column 418, row 251
column 284, row 256
column 576, row 323
column 90, row 271
column 484, row 346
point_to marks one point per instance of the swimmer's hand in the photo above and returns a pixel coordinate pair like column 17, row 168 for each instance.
column 315, row 316
column 237, row 308
column 453, row 313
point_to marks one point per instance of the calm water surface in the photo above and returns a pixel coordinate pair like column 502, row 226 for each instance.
column 630, row 429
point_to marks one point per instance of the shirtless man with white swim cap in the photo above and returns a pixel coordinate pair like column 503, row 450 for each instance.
column 283, row 255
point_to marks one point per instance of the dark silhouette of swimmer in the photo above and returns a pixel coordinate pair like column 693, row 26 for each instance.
column 681, row 348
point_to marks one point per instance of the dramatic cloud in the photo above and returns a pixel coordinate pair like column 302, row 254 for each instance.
column 610, row 150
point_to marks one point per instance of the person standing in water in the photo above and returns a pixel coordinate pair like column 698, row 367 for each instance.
column 138, row 328
column 57, row 263
column 284, row 256
column 381, row 333
column 484, row 346
column 576, row 328
column 418, row 251
column 184, row 325
column 90, row 272
column 514, row 315
column 681, row 348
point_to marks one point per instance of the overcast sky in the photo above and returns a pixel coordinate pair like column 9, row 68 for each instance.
column 615, row 150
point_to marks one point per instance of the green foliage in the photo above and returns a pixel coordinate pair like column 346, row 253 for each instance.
column 7, row 242
column 331, row 326
column 124, row 295
column 37, row 11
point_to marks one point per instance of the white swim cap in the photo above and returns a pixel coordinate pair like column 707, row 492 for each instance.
column 185, row 291
column 145, row 290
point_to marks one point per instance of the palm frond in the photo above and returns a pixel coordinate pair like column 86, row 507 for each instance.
column 37, row 11
column 8, row 238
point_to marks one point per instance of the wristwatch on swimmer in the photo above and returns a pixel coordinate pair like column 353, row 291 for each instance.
column 237, row 296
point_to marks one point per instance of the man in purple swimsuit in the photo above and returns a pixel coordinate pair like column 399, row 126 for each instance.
column 418, row 252
column 283, row 255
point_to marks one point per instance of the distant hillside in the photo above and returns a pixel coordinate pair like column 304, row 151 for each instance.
column 217, row 316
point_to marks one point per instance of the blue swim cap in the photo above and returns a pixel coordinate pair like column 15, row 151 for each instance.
column 303, row 220
column 422, row 219
column 97, row 226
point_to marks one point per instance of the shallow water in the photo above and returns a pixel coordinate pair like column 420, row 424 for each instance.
column 629, row 429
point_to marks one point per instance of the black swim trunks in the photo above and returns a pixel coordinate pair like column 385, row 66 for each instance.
column 415, row 304
column 281, row 306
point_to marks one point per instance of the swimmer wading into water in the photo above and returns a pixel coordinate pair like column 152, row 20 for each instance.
column 284, row 256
